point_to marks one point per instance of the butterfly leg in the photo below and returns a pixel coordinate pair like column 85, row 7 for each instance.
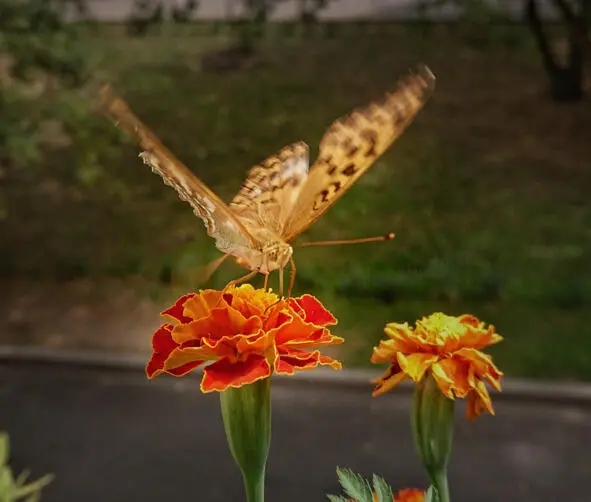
column 280, row 283
column 292, row 275
column 266, row 285
column 207, row 271
column 240, row 280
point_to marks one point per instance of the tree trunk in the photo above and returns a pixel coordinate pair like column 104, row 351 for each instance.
column 565, row 80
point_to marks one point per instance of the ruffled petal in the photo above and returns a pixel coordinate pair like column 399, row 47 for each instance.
column 478, row 401
column 162, row 345
column 388, row 382
column 223, row 374
column 221, row 322
column 176, row 312
column 483, row 365
column 312, row 311
column 288, row 363
column 415, row 365
column 199, row 306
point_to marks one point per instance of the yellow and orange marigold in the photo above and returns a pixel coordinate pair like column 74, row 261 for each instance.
column 246, row 334
column 449, row 348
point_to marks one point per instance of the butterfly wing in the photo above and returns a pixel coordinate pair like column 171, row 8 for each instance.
column 271, row 189
column 351, row 146
column 221, row 224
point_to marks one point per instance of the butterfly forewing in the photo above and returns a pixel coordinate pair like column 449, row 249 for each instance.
column 221, row 224
column 271, row 189
column 351, row 146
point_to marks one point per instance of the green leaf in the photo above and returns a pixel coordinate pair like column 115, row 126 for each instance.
column 34, row 487
column 382, row 489
column 6, row 484
column 354, row 485
column 337, row 498
column 21, row 479
column 4, row 449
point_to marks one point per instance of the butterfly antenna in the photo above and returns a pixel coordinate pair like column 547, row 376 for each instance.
column 380, row 238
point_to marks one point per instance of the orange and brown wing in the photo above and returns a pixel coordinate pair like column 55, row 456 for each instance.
column 352, row 144
column 221, row 224
column 271, row 189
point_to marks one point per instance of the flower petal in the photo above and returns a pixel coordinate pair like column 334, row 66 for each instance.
column 445, row 373
column 388, row 382
column 312, row 311
column 303, row 334
column 223, row 374
column 409, row 495
column 220, row 322
column 402, row 337
column 478, row 401
column 415, row 365
column 483, row 366
column 200, row 305
column 295, row 360
column 176, row 312
column 163, row 345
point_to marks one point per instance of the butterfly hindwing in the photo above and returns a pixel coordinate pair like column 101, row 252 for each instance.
column 351, row 146
column 272, row 187
column 221, row 224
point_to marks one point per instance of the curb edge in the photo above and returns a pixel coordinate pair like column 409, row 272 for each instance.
column 351, row 379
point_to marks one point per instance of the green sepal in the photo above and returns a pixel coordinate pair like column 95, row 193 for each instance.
column 246, row 413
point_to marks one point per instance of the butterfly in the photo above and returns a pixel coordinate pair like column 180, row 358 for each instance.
column 282, row 196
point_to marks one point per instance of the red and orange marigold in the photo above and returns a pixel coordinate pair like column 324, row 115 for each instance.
column 246, row 334
column 449, row 348
column 407, row 495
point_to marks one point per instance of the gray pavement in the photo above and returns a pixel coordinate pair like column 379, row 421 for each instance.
column 111, row 435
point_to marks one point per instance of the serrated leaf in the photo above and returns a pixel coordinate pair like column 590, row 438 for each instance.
column 354, row 485
column 337, row 498
column 21, row 479
column 382, row 489
column 33, row 487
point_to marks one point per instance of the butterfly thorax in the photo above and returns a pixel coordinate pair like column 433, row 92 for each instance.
column 273, row 254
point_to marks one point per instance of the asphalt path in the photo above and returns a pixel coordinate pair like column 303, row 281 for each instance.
column 111, row 435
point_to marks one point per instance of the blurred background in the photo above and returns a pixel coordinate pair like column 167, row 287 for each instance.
column 487, row 191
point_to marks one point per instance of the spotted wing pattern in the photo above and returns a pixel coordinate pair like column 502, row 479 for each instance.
column 271, row 188
column 229, row 233
column 351, row 146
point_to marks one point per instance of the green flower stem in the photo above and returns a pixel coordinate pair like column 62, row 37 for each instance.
column 441, row 486
column 432, row 426
column 246, row 413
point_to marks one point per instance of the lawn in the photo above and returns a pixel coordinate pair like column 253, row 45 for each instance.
column 487, row 191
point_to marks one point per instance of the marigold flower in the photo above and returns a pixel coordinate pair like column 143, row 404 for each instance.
column 449, row 348
column 247, row 334
column 407, row 495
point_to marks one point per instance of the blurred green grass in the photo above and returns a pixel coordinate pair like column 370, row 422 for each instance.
column 487, row 191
